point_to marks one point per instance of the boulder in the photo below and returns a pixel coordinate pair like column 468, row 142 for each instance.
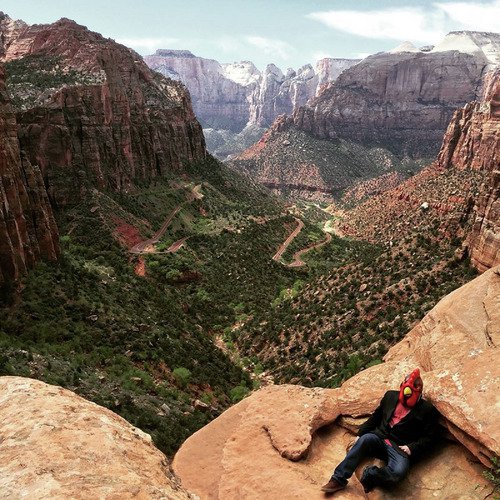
column 54, row 444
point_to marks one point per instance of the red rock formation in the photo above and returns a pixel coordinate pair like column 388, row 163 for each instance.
column 283, row 441
column 57, row 445
column 401, row 101
column 129, row 123
column 472, row 141
column 27, row 228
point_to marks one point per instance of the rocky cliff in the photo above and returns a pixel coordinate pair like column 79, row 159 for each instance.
column 58, row 445
column 218, row 101
column 402, row 100
column 378, row 114
column 283, row 441
column 27, row 229
column 91, row 113
column 238, row 97
column 472, row 141
column 297, row 164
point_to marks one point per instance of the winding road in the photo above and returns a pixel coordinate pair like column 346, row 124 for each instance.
column 297, row 261
column 148, row 246
column 291, row 236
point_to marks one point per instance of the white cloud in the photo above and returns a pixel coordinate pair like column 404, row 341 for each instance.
column 402, row 23
column 473, row 15
column 418, row 24
column 271, row 46
column 228, row 44
column 148, row 45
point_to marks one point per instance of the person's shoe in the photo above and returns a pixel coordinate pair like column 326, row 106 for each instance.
column 332, row 486
column 367, row 479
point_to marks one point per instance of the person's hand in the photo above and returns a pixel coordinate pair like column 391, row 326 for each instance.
column 405, row 449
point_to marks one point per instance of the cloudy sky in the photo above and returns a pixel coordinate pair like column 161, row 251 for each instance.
column 289, row 33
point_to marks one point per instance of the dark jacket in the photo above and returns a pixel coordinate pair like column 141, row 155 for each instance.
column 417, row 429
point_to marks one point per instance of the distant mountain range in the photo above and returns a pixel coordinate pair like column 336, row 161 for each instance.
column 387, row 113
column 236, row 102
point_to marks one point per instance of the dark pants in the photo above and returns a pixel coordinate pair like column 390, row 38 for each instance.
column 370, row 445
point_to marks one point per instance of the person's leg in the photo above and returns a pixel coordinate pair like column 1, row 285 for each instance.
column 368, row 445
column 396, row 469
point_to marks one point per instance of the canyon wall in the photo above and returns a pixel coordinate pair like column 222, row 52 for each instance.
column 235, row 102
column 115, row 122
column 402, row 100
column 28, row 232
column 472, row 141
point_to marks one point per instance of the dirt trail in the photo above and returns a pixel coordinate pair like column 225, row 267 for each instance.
column 291, row 236
column 176, row 245
column 297, row 261
column 147, row 246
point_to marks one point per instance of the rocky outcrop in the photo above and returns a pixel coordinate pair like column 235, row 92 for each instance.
column 27, row 229
column 218, row 101
column 403, row 101
column 484, row 241
column 283, row 441
column 57, row 445
column 296, row 164
column 472, row 141
column 330, row 68
column 116, row 123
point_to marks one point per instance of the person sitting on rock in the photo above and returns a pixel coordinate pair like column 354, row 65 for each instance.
column 404, row 425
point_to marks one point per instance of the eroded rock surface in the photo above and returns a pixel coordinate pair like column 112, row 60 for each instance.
column 402, row 101
column 55, row 444
column 115, row 122
column 283, row 441
column 28, row 231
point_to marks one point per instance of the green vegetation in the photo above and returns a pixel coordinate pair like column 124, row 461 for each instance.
column 146, row 346
column 36, row 76
column 363, row 300
column 493, row 474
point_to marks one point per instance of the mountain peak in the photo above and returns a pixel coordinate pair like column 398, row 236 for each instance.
column 471, row 42
column 404, row 47
column 174, row 53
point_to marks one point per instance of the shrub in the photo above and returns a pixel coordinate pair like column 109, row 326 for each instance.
column 182, row 376
column 238, row 393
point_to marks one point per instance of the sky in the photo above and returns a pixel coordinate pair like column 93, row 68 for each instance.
column 289, row 33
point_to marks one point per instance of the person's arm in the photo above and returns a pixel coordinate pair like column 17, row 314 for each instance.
column 429, row 432
column 374, row 420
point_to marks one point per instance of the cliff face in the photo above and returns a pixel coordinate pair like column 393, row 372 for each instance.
column 232, row 96
column 115, row 122
column 218, row 101
column 472, row 141
column 27, row 228
column 294, row 436
column 399, row 101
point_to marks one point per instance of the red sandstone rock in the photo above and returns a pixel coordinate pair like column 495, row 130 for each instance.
column 473, row 141
column 27, row 229
column 283, row 441
column 57, row 445
column 132, row 123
